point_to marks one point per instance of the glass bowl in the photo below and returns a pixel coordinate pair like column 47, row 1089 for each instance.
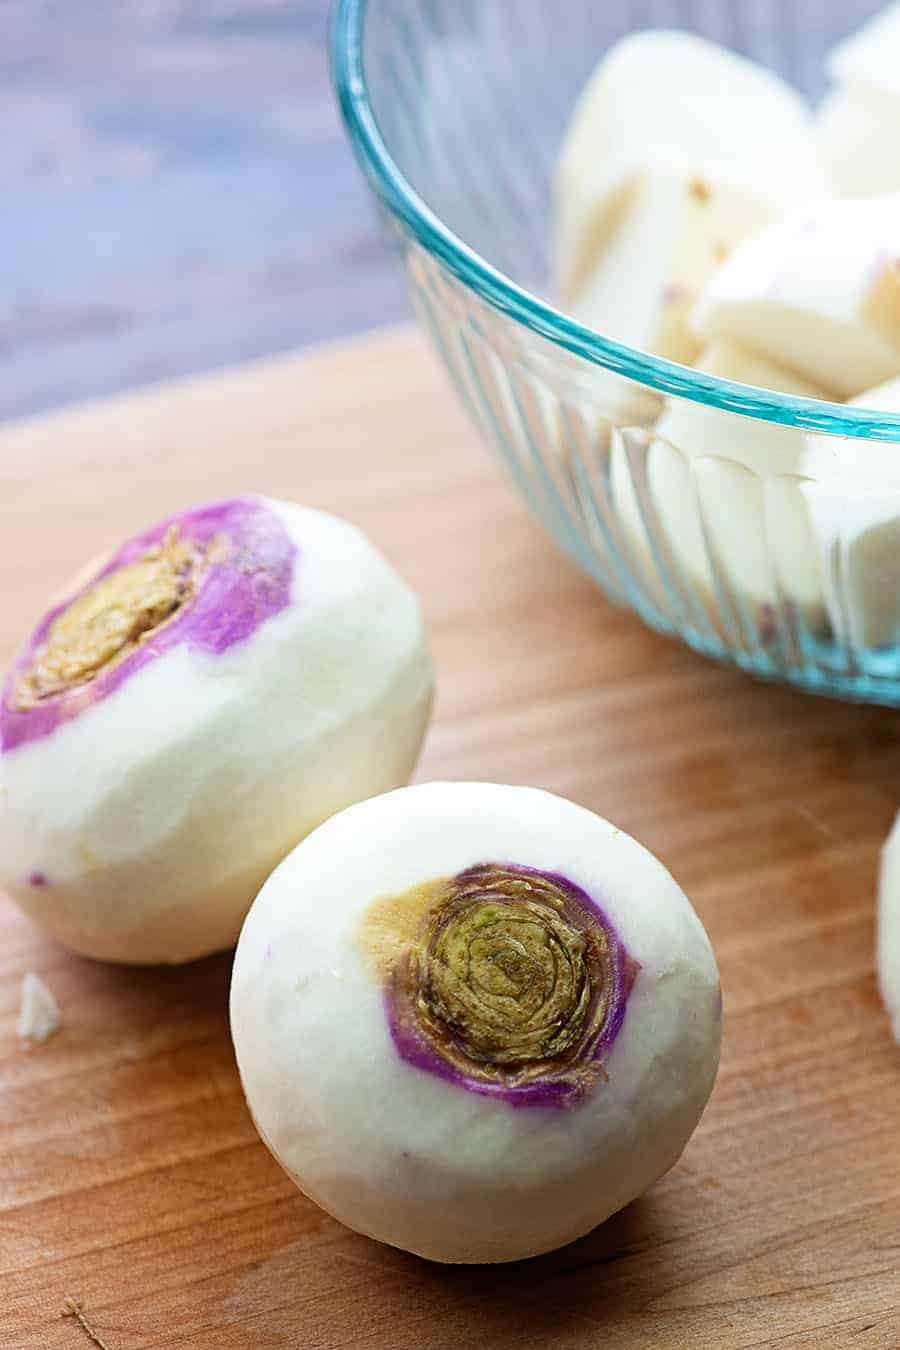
column 456, row 110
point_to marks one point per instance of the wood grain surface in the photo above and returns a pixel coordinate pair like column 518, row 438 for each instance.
column 131, row 1179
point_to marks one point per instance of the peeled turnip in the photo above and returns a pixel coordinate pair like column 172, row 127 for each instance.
column 473, row 1021
column 220, row 686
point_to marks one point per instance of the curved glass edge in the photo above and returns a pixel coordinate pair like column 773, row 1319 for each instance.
column 399, row 196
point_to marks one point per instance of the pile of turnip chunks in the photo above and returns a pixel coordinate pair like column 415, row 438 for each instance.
column 707, row 215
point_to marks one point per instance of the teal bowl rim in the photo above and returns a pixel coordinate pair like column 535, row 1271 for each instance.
column 400, row 198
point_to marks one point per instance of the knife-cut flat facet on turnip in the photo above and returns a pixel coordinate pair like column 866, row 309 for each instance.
column 709, row 476
column 673, row 233
column 214, row 691
column 473, row 1021
column 818, row 293
column 852, row 503
column 859, row 121
column 676, row 152
column 859, row 135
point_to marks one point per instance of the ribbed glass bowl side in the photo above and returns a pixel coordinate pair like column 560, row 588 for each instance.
column 760, row 571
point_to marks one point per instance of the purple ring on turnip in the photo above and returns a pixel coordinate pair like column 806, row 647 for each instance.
column 516, row 985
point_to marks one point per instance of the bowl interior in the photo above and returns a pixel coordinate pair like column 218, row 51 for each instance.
column 472, row 96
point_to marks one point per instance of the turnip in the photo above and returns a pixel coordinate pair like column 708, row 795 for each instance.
column 677, row 150
column 210, row 694
column 473, row 1021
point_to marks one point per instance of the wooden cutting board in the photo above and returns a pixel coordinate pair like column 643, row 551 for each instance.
column 131, row 1178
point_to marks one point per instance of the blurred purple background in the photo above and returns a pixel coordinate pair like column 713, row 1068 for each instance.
column 177, row 193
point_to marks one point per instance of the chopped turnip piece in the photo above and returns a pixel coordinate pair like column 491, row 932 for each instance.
column 39, row 1015
column 710, row 475
column 677, row 151
column 870, row 58
column 473, row 1021
column 671, row 236
column 224, row 683
column 853, row 514
column 818, row 293
column 859, row 120
column 859, row 135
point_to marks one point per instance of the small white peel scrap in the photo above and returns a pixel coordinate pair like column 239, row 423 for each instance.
column 889, row 927
column 39, row 1015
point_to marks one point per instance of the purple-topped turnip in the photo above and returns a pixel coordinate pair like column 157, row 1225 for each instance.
column 210, row 694
column 473, row 1021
